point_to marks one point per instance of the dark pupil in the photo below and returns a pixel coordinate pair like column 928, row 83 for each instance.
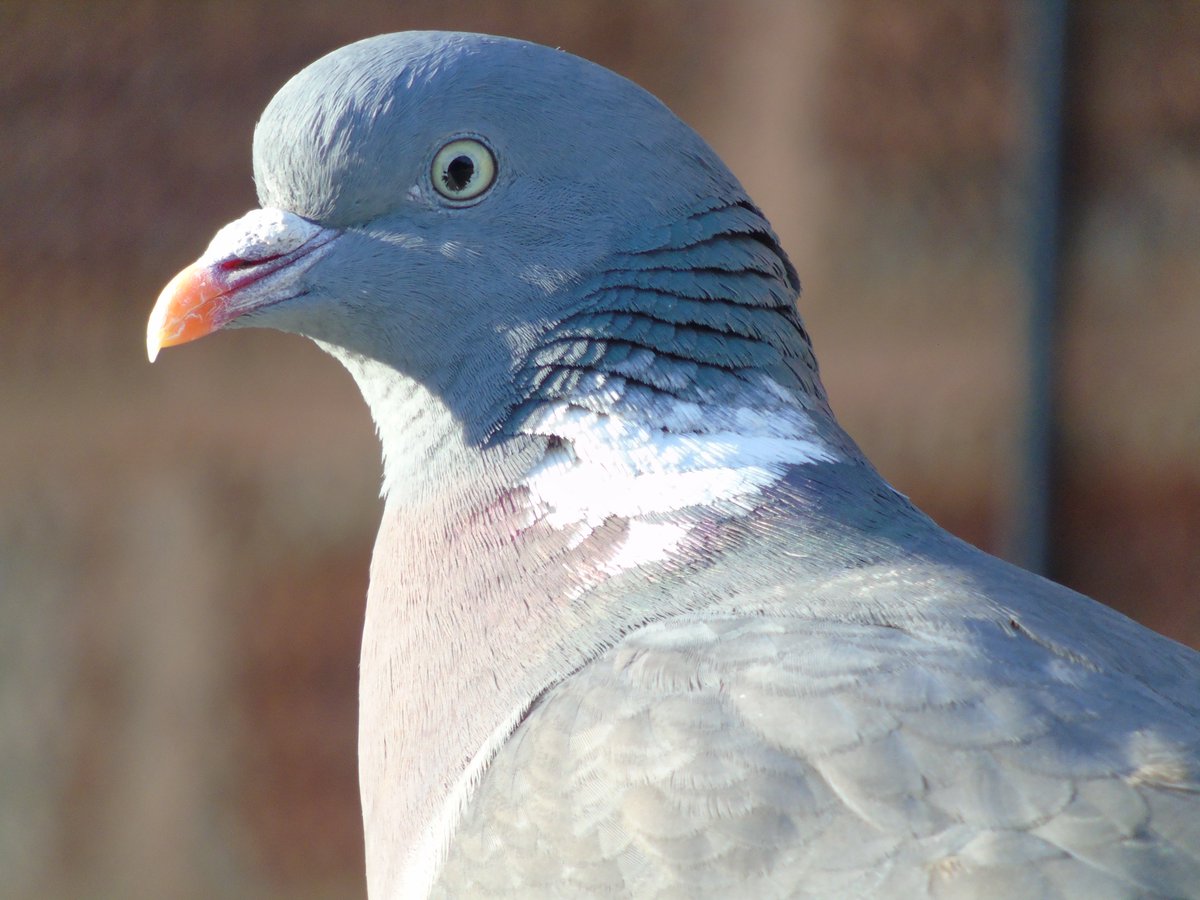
column 459, row 173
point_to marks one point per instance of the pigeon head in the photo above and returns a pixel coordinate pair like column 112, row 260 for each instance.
column 506, row 226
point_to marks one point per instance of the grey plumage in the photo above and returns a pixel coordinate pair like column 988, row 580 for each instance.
column 643, row 621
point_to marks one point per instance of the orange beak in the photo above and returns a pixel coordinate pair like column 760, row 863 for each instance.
column 189, row 307
column 259, row 260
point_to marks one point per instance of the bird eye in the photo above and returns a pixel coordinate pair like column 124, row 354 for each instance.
column 463, row 170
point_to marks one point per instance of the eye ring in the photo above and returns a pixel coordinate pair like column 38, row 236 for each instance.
column 463, row 170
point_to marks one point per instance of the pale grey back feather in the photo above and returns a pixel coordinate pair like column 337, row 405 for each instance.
column 786, row 757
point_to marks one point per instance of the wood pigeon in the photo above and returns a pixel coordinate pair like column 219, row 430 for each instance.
column 643, row 621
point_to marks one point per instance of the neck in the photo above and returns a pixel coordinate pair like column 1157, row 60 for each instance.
column 494, row 569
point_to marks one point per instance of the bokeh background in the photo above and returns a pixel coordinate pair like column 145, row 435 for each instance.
column 184, row 548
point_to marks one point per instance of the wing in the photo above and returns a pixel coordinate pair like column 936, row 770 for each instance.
column 776, row 757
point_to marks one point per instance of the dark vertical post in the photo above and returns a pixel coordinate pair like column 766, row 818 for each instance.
column 1046, row 73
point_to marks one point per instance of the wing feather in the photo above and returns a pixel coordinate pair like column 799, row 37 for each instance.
column 778, row 757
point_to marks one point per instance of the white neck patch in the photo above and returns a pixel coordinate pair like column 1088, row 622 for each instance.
column 630, row 464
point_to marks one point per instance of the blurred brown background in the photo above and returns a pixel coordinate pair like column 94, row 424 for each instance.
column 183, row 549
